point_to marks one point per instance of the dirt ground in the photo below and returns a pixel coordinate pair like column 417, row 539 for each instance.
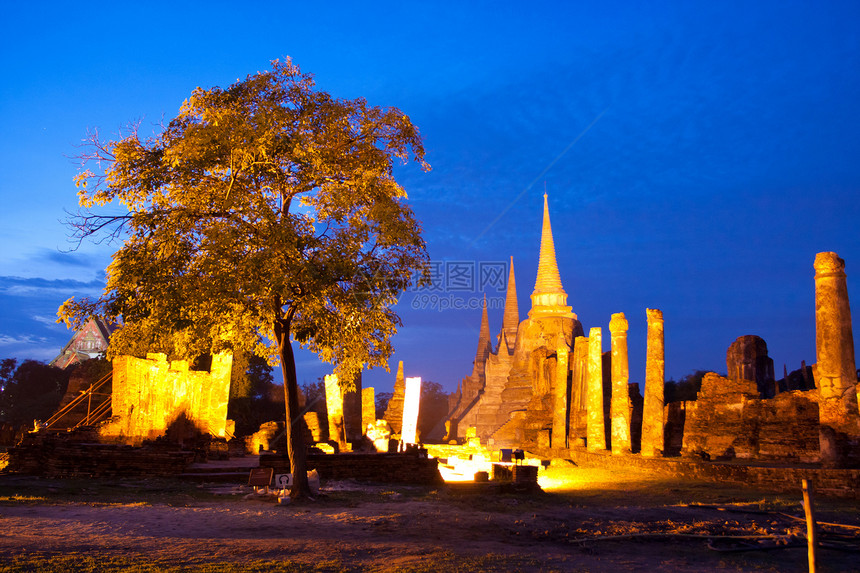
column 584, row 520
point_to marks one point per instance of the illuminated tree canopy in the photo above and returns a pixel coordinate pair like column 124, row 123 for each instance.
column 263, row 213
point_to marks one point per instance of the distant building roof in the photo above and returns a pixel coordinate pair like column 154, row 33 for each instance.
column 88, row 342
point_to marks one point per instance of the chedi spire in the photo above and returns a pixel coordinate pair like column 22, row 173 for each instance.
column 484, row 346
column 511, row 319
column 548, row 297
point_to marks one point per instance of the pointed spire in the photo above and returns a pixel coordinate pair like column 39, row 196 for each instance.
column 485, row 323
column 394, row 412
column 484, row 346
column 548, row 297
column 511, row 320
column 548, row 279
column 399, row 379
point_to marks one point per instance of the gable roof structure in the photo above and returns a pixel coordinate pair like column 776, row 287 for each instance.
column 88, row 342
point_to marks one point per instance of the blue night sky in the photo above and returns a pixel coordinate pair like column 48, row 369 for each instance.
column 697, row 155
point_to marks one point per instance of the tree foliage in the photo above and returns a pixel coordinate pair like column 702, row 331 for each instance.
column 256, row 200
column 251, row 377
column 313, row 397
column 382, row 399
column 251, row 394
column 263, row 213
column 686, row 389
column 30, row 391
column 90, row 371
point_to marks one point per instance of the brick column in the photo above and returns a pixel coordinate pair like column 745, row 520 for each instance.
column 559, row 415
column 368, row 408
column 334, row 409
column 655, row 380
column 411, row 405
column 619, row 405
column 595, row 430
column 836, row 375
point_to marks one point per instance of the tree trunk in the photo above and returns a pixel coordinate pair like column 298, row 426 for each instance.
column 295, row 437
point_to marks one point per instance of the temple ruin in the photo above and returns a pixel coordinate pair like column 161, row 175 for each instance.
column 545, row 387
column 153, row 397
column 394, row 412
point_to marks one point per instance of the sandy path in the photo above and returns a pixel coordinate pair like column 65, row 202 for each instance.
column 379, row 529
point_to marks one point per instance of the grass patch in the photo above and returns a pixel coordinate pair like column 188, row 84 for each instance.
column 448, row 561
column 431, row 563
column 29, row 489
column 80, row 563
column 17, row 499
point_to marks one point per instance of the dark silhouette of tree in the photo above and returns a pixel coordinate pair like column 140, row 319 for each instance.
column 433, row 407
column 686, row 389
column 32, row 392
column 7, row 371
column 382, row 399
column 251, row 389
column 90, row 371
column 313, row 394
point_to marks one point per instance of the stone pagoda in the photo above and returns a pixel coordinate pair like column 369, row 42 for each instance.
column 515, row 401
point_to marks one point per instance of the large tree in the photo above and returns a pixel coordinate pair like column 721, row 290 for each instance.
column 264, row 213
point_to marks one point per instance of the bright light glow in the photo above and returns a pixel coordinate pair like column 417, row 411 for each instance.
column 561, row 479
column 411, row 398
column 464, row 470
column 453, row 475
column 459, row 470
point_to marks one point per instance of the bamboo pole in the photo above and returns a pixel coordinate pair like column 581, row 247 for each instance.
column 811, row 540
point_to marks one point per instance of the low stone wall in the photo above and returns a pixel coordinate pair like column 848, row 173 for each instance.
column 407, row 468
column 464, row 451
column 58, row 457
column 838, row 482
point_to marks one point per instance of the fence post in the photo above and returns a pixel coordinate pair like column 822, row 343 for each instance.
column 811, row 540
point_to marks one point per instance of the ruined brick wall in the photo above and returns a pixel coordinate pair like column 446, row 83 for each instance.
column 381, row 468
column 394, row 412
column 154, row 397
column 788, row 427
column 729, row 420
column 675, row 415
column 839, row 482
column 716, row 425
column 65, row 456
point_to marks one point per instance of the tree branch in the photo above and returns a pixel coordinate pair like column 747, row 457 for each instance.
column 86, row 225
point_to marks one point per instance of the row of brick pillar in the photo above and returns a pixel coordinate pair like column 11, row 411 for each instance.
column 620, row 408
column 835, row 376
